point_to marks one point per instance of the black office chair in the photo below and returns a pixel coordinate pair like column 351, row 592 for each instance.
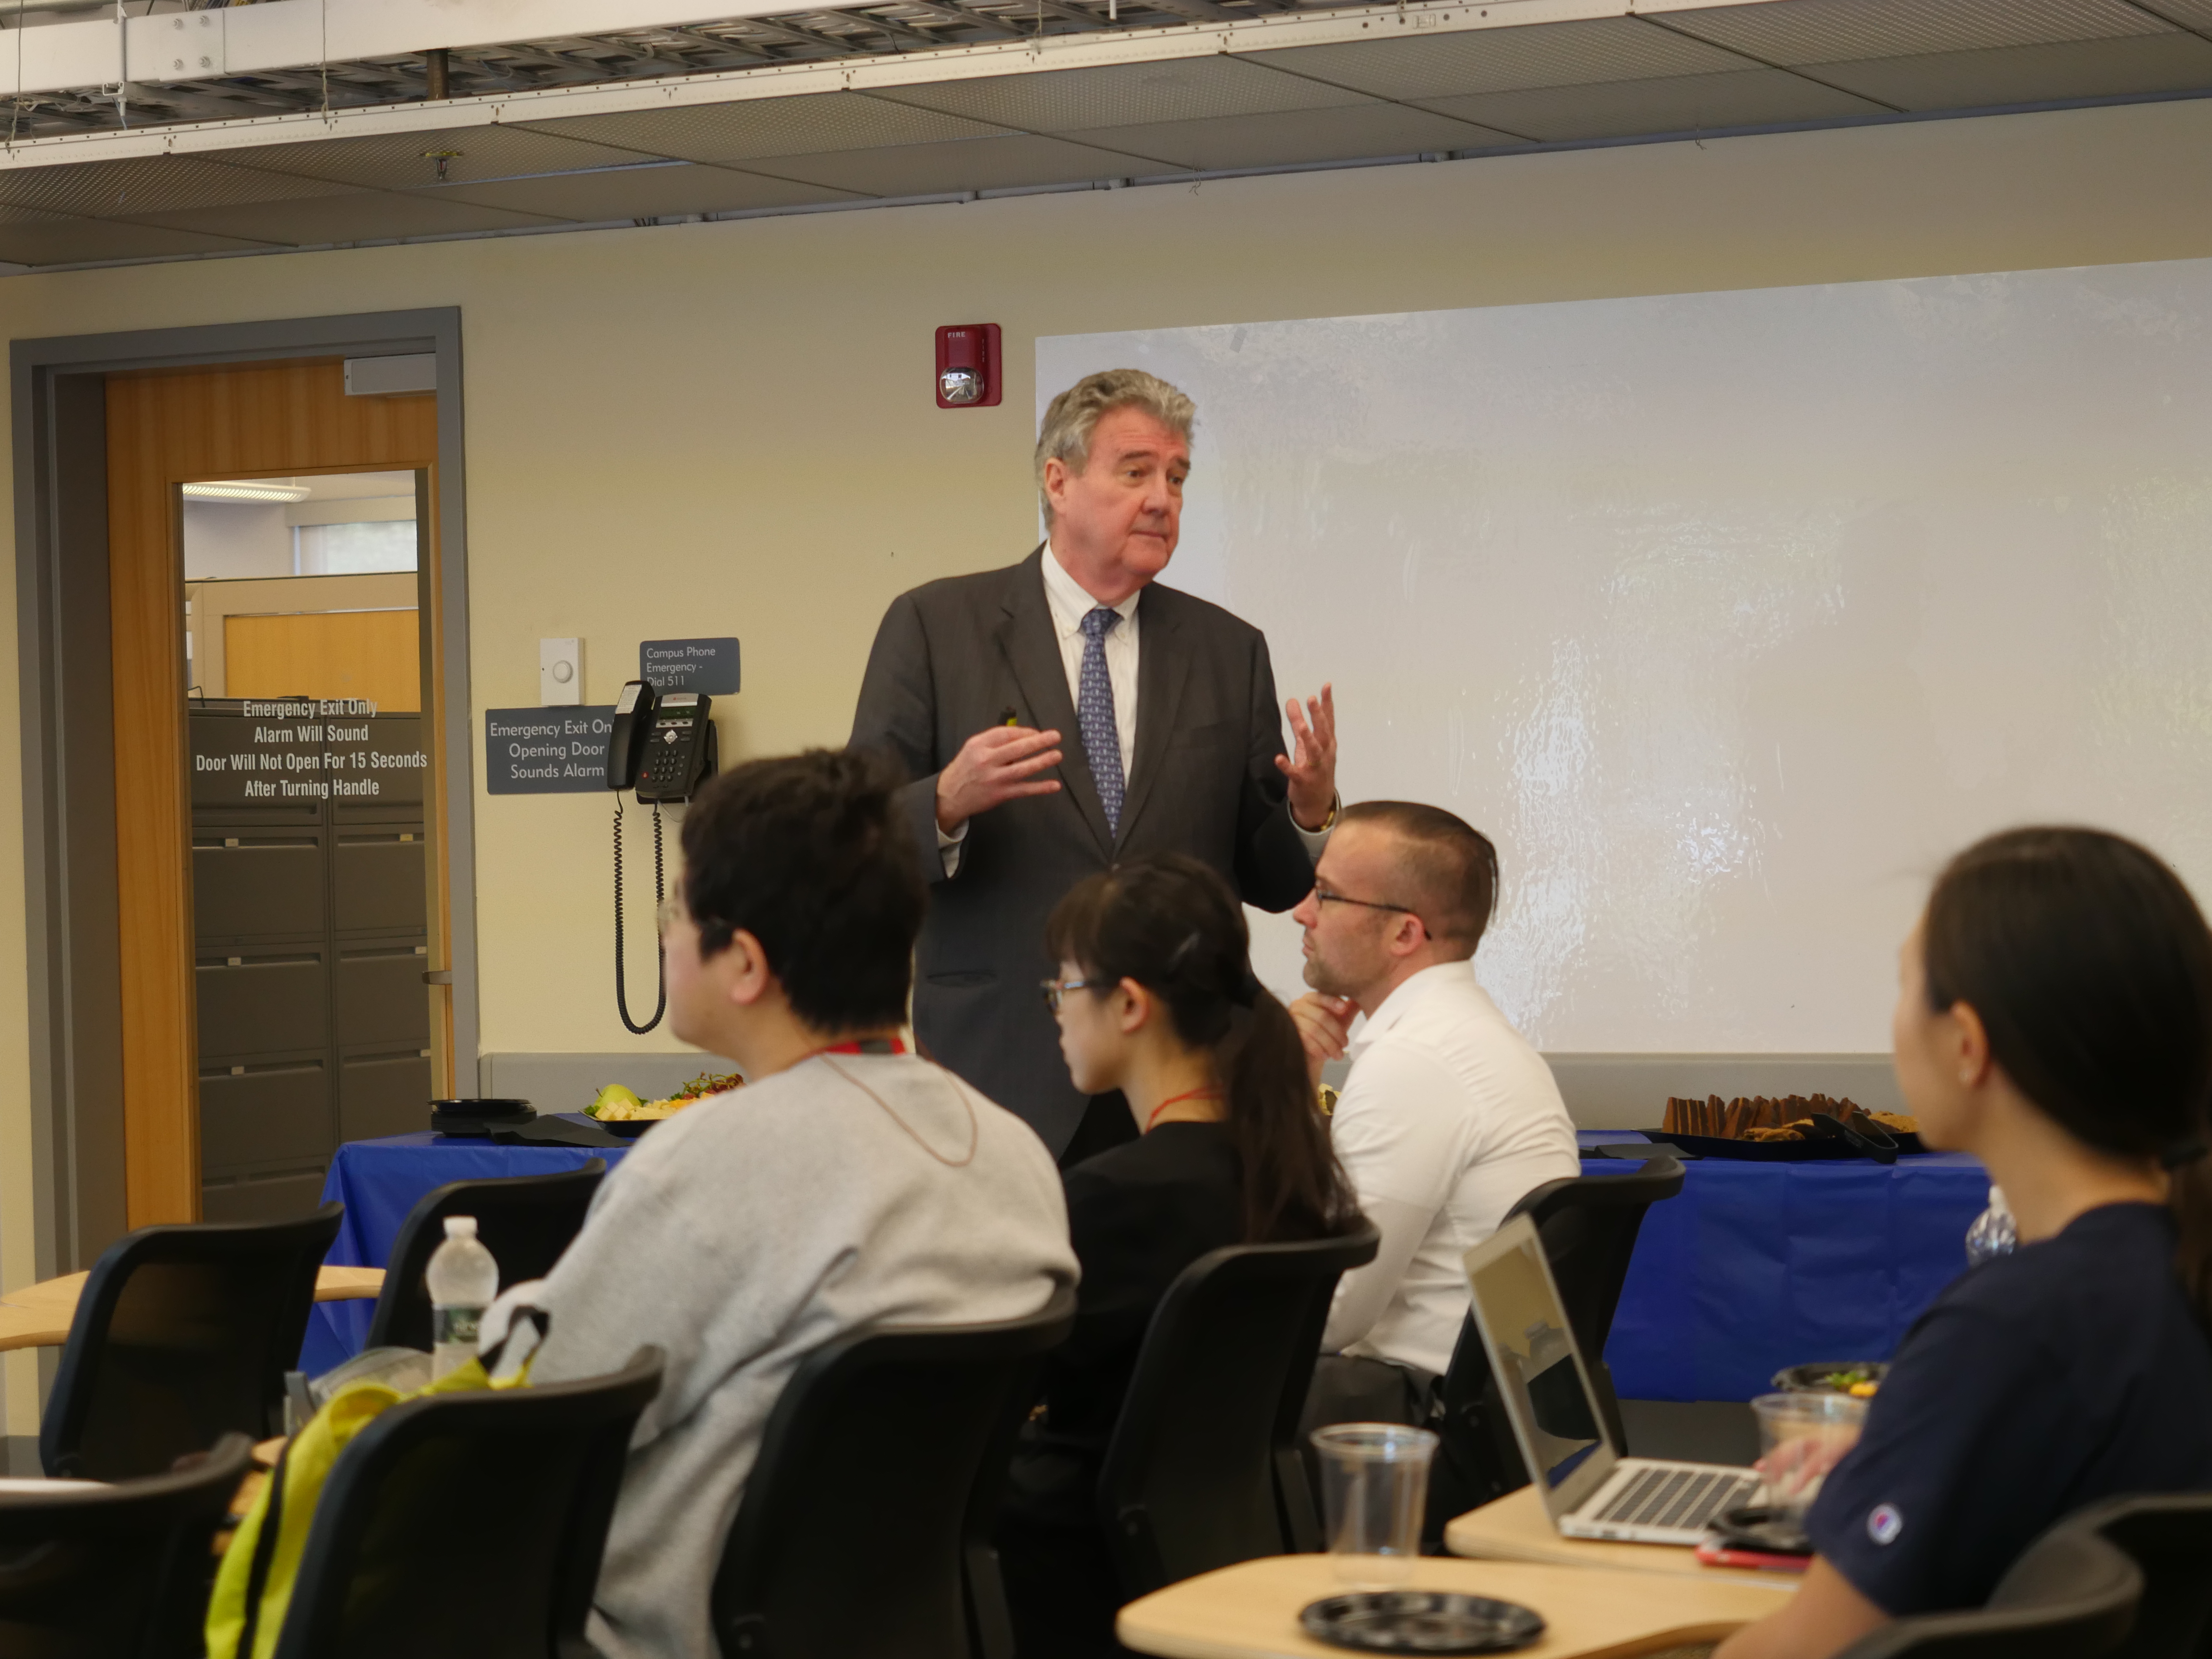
column 1204, row 1468
column 2168, row 1535
column 1589, row 1224
column 2071, row 1596
column 888, row 1447
column 468, row 1525
column 183, row 1335
column 525, row 1221
column 117, row 1571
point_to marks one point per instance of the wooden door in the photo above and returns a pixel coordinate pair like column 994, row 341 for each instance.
column 166, row 427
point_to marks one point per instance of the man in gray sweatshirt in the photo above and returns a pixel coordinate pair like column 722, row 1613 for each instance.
column 850, row 1183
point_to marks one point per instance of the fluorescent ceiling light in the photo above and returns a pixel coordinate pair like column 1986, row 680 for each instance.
column 246, row 492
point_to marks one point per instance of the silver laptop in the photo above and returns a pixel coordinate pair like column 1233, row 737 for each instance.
column 1589, row 1488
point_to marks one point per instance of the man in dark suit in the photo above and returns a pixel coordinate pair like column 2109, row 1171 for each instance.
column 1167, row 706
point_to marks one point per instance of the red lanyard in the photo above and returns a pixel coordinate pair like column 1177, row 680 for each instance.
column 890, row 1045
column 1208, row 1093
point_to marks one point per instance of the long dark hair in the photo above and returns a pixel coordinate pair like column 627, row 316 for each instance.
column 2091, row 967
column 1172, row 924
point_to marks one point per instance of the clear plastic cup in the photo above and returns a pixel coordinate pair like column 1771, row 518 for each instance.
column 1801, row 1437
column 1374, row 1491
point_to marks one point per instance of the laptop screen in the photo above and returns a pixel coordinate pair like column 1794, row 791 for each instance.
column 1533, row 1356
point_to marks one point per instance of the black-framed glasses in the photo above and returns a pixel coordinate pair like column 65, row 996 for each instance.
column 1323, row 895
column 1056, row 990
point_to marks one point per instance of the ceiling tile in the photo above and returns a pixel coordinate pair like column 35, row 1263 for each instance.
column 640, row 192
column 1125, row 95
column 156, row 184
column 1836, row 31
column 359, row 216
column 1322, row 135
column 1624, row 109
column 51, row 239
column 2029, row 75
column 755, row 127
column 971, row 164
column 1505, row 60
column 406, row 161
column 2189, row 13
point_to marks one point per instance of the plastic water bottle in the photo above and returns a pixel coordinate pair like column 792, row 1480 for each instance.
column 1993, row 1233
column 463, row 1281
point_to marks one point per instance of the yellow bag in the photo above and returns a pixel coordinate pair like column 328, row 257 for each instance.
column 254, row 1585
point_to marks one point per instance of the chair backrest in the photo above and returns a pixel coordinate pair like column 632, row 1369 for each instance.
column 2168, row 1535
column 1589, row 1224
column 525, row 1221
column 2071, row 1596
column 116, row 1571
column 888, row 1447
column 1203, row 1470
column 183, row 1335
column 469, row 1525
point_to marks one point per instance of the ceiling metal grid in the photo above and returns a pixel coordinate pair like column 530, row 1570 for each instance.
column 645, row 190
column 401, row 161
column 1507, row 60
column 970, row 164
column 1809, row 32
column 1195, row 89
column 1686, row 103
column 1229, row 100
column 1348, row 133
column 770, row 126
column 2030, row 74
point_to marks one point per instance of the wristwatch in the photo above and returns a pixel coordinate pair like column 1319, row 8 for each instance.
column 1324, row 1096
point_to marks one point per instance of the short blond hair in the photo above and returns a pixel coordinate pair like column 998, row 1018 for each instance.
column 1073, row 416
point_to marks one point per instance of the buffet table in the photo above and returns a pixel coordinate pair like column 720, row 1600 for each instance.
column 1754, row 1266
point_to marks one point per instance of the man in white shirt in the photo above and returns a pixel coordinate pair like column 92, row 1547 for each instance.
column 1449, row 1117
column 1072, row 711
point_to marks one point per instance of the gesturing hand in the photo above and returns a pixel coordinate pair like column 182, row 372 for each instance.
column 1312, row 764
column 1322, row 1024
column 998, row 765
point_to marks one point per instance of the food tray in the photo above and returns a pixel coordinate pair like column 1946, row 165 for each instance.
column 1776, row 1151
column 1420, row 1621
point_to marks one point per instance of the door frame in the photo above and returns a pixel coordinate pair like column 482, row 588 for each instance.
column 64, row 666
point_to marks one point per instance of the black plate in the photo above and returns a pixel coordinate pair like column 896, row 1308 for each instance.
column 1420, row 1621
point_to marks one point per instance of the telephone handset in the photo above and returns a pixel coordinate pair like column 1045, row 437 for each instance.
column 665, row 748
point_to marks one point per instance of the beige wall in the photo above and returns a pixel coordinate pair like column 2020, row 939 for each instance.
column 695, row 428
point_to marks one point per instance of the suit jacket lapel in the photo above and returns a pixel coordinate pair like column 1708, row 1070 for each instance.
column 1163, row 664
column 1031, row 644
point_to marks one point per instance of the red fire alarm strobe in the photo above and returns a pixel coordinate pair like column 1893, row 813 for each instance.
column 968, row 366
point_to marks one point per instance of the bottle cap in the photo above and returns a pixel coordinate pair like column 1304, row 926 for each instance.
column 460, row 1226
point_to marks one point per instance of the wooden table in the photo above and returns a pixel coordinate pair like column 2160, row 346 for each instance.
column 1250, row 1611
column 39, row 1316
column 1515, row 1527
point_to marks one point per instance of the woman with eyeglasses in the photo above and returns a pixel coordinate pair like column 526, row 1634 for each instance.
column 1155, row 998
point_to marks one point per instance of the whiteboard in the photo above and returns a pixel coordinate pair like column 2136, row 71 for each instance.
column 1728, row 616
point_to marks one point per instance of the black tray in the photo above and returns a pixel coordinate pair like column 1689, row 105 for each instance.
column 479, row 1117
column 1828, row 1139
column 1420, row 1621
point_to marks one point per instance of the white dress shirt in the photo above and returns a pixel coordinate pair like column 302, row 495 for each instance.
column 1448, row 1119
column 1069, row 605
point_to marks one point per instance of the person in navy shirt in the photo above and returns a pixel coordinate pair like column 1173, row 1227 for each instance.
column 2054, row 1018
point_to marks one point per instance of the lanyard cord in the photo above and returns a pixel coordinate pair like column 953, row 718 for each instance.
column 1207, row 1093
column 975, row 1127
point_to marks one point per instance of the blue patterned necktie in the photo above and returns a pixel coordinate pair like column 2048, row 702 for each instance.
column 1093, row 712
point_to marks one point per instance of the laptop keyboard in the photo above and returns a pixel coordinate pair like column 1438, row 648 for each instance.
column 1676, row 1497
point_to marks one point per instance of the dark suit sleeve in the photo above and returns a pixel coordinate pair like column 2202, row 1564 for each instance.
column 1273, row 869
column 897, row 716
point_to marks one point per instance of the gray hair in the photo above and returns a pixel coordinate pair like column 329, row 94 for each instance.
column 1073, row 416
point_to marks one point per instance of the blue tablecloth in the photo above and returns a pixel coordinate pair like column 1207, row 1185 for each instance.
column 1754, row 1266
column 379, row 1181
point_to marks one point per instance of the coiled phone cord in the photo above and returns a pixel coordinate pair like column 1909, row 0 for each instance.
column 661, row 953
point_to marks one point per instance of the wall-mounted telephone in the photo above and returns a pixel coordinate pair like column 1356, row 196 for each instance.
column 663, row 748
